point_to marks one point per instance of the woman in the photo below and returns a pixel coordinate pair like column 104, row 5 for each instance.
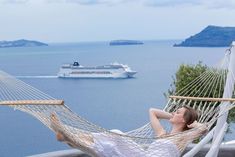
column 182, row 119
column 102, row 145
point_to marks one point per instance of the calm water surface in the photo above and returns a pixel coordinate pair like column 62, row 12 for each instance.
column 111, row 103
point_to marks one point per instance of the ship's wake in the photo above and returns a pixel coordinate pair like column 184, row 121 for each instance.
column 38, row 77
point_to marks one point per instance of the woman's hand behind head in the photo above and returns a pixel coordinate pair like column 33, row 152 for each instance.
column 195, row 124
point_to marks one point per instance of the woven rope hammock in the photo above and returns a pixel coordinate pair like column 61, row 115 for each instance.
column 205, row 94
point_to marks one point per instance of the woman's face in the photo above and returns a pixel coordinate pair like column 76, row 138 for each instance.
column 178, row 116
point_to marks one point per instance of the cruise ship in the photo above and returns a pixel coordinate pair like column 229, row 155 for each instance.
column 114, row 70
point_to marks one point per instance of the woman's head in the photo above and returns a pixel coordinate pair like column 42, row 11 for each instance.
column 184, row 116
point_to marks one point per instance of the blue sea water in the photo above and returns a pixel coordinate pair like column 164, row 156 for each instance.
column 110, row 103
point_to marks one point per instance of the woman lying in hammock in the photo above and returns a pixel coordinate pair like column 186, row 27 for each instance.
column 106, row 145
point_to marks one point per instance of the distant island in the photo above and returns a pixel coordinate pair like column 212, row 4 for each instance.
column 211, row 36
column 125, row 42
column 21, row 43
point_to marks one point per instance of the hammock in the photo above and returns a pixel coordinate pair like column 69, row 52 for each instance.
column 205, row 94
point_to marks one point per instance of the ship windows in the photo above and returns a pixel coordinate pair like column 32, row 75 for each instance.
column 90, row 72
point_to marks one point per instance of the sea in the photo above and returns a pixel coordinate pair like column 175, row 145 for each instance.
column 111, row 103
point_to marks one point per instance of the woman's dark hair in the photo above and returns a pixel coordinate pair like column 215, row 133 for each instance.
column 190, row 115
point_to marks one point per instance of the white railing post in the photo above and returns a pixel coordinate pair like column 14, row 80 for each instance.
column 216, row 144
column 201, row 144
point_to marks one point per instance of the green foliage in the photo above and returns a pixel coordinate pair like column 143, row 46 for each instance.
column 231, row 116
column 185, row 75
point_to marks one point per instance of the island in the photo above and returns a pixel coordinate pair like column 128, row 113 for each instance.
column 211, row 36
column 125, row 42
column 21, row 43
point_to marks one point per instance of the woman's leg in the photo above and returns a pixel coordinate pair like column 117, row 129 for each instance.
column 62, row 134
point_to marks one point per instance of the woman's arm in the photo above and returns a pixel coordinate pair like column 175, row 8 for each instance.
column 155, row 115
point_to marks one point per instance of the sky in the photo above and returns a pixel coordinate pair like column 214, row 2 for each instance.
column 104, row 20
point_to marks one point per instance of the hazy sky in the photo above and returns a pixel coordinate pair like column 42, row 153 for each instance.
column 102, row 20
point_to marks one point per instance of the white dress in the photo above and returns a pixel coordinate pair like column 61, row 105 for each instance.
column 163, row 148
column 107, row 146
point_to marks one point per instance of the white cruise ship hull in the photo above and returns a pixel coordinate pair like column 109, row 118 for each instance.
column 94, row 76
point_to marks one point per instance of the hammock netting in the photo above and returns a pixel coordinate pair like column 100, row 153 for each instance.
column 203, row 94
